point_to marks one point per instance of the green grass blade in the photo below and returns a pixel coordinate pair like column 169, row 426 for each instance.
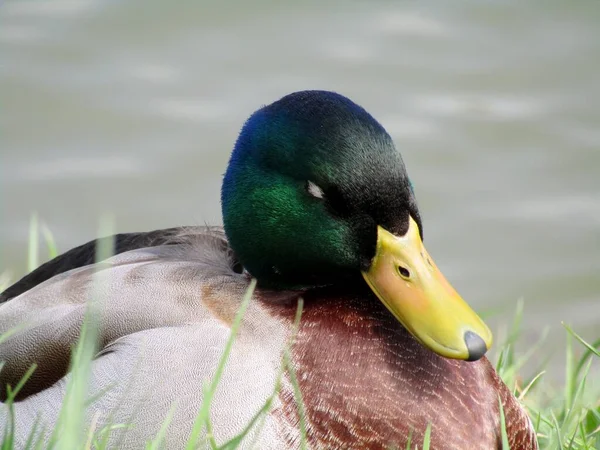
column 569, row 374
column 101, row 438
column 513, row 365
column 5, row 280
column 591, row 423
column 589, row 353
column 583, row 434
column 294, row 379
column 33, row 252
column 260, row 415
column 409, row 440
column 505, row 445
column 237, row 440
column 576, row 396
column 9, row 430
column 502, row 357
column 160, row 436
column 595, row 351
column 531, row 384
column 69, row 430
column 50, row 242
column 90, row 438
column 5, row 336
column 556, row 427
column 29, row 443
column 427, row 437
column 203, row 416
column 22, row 382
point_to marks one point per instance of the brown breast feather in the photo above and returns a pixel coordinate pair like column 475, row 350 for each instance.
column 367, row 384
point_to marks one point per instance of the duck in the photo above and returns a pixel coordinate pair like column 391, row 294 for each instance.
column 318, row 209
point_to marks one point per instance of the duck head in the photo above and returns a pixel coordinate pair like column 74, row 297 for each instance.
column 316, row 193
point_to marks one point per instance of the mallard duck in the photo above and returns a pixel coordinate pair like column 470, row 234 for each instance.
column 316, row 204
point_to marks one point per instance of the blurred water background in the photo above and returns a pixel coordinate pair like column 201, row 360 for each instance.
column 132, row 107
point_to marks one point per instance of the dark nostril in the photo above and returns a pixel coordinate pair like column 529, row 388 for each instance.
column 475, row 345
column 404, row 272
column 428, row 260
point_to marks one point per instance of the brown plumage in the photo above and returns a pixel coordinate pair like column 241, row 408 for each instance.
column 367, row 383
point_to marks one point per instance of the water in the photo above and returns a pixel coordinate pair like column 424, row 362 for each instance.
column 132, row 108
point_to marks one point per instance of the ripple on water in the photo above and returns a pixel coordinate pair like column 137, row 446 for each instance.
column 481, row 106
column 74, row 168
column 583, row 206
column 406, row 22
column 196, row 110
column 19, row 34
column 152, row 72
column 408, row 127
column 54, row 8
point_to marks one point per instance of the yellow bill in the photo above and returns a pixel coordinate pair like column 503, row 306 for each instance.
column 407, row 281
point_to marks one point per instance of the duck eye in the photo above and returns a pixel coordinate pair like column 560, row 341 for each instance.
column 314, row 190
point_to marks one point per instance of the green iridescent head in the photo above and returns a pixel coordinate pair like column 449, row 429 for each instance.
column 316, row 194
column 311, row 177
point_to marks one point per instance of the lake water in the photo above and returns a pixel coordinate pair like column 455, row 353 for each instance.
column 132, row 108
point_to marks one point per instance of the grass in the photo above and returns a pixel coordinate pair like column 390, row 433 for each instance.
column 565, row 417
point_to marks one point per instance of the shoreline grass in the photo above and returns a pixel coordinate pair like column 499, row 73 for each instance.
column 569, row 420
